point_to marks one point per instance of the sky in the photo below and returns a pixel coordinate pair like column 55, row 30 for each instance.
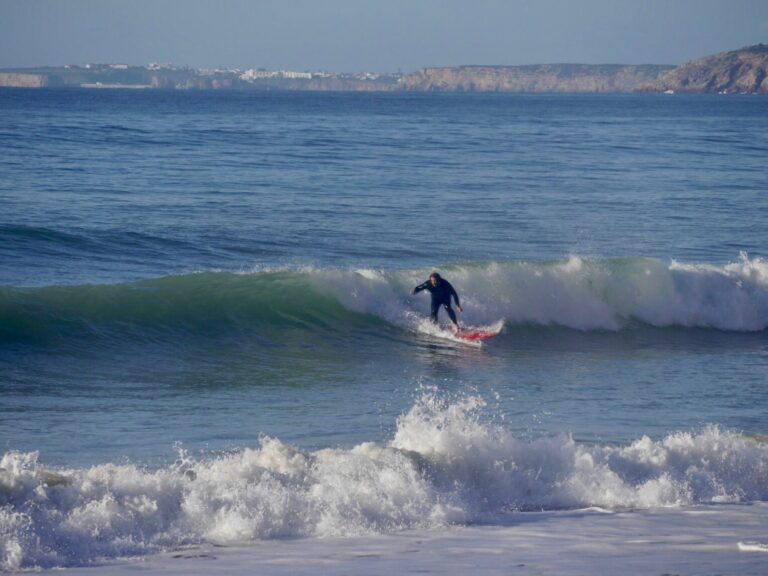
column 373, row 35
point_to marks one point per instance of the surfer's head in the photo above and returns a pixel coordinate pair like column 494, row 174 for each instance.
column 434, row 278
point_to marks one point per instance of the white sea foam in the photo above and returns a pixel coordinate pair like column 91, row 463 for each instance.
column 447, row 463
column 577, row 293
column 753, row 547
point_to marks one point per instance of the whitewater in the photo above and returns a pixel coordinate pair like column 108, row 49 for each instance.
column 210, row 360
column 448, row 464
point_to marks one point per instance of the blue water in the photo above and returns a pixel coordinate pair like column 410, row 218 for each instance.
column 205, row 268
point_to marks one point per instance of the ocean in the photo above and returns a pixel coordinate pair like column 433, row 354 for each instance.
column 210, row 358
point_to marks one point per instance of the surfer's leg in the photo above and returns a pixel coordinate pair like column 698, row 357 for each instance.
column 433, row 313
column 452, row 316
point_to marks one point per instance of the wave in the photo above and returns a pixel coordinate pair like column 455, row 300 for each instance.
column 19, row 240
column 579, row 293
column 447, row 463
column 206, row 304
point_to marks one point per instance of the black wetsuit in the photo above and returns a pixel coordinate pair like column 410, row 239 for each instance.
column 441, row 296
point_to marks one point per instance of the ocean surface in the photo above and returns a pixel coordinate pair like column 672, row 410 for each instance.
column 207, row 337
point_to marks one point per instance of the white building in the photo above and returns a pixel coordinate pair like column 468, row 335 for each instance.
column 253, row 74
column 257, row 74
column 291, row 74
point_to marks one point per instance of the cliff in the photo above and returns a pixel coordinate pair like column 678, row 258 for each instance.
column 15, row 80
column 541, row 78
column 116, row 76
column 738, row 71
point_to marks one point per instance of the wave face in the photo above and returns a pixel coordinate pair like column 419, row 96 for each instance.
column 578, row 293
column 448, row 462
column 206, row 304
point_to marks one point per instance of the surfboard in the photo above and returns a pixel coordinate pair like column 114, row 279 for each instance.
column 479, row 333
column 476, row 335
column 469, row 335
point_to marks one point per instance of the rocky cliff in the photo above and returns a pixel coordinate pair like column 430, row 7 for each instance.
column 541, row 78
column 738, row 71
column 13, row 80
column 744, row 70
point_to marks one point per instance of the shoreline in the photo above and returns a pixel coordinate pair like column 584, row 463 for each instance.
column 705, row 540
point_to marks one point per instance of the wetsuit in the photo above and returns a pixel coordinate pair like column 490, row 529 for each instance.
column 441, row 296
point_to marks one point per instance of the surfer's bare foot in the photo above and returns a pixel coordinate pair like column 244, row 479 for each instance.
column 455, row 328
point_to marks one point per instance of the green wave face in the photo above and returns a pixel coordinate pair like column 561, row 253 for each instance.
column 203, row 304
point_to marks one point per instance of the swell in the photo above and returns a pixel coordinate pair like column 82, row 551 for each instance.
column 580, row 294
column 448, row 462
column 23, row 239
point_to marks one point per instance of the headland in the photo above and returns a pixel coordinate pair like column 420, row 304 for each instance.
column 734, row 72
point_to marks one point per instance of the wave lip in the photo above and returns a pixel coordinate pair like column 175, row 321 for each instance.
column 447, row 463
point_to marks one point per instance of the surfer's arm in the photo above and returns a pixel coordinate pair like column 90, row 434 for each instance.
column 419, row 288
column 456, row 298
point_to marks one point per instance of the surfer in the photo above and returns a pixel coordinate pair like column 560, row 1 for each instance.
column 441, row 291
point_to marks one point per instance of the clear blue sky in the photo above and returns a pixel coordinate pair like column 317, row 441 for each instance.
column 375, row 35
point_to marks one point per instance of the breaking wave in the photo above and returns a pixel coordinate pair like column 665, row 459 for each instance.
column 448, row 462
column 578, row 293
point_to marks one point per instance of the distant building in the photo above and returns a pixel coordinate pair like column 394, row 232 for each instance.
column 291, row 74
column 260, row 74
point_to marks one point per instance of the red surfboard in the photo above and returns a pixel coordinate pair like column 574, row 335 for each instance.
column 484, row 333
column 475, row 335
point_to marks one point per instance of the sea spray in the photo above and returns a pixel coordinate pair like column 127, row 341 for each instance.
column 497, row 471
column 450, row 461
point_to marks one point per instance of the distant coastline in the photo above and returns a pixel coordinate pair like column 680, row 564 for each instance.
column 739, row 71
